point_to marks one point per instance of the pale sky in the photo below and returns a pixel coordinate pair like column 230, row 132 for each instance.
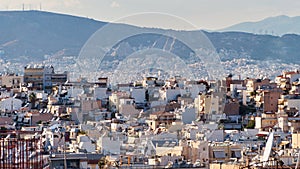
column 202, row 14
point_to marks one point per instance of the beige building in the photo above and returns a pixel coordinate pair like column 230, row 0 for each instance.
column 296, row 140
column 161, row 119
column 33, row 77
column 254, row 84
column 224, row 152
column 285, row 80
column 11, row 81
column 266, row 121
column 118, row 98
column 42, row 77
column 195, row 150
column 89, row 105
column 210, row 106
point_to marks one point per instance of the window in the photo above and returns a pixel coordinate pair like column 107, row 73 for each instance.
column 219, row 154
column 236, row 154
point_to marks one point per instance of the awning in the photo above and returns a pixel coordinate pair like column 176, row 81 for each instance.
column 219, row 154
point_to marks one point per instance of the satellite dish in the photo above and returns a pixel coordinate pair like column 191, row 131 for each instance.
column 268, row 149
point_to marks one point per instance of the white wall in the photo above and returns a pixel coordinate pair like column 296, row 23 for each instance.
column 9, row 103
column 74, row 92
column 293, row 103
column 294, row 77
column 88, row 146
column 108, row 145
column 126, row 101
column 257, row 122
column 189, row 115
column 100, row 93
column 138, row 94
column 171, row 94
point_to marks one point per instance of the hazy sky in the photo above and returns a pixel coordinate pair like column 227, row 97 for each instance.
column 204, row 14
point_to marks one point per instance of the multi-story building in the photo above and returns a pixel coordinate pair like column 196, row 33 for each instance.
column 267, row 100
column 210, row 106
column 33, row 77
column 254, row 84
column 43, row 77
column 11, row 81
column 161, row 119
column 224, row 152
column 195, row 150
column 114, row 100
column 287, row 79
column 266, row 121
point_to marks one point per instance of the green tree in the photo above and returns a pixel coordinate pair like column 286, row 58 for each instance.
column 32, row 99
column 251, row 124
column 102, row 162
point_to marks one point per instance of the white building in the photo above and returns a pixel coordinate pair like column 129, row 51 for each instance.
column 100, row 93
column 11, row 104
column 107, row 145
column 139, row 94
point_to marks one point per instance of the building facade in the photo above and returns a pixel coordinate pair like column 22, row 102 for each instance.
column 43, row 77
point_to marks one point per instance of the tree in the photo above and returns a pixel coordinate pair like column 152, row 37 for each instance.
column 251, row 124
column 102, row 162
column 32, row 99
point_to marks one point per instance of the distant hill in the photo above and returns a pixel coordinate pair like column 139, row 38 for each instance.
column 33, row 35
column 36, row 33
column 278, row 26
column 257, row 47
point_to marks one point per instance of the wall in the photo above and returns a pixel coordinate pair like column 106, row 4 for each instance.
column 293, row 103
column 138, row 94
column 108, row 145
column 189, row 115
column 100, row 93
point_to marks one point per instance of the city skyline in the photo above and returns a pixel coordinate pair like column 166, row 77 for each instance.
column 199, row 14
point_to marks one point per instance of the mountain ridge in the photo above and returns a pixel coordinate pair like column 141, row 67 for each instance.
column 36, row 35
column 277, row 26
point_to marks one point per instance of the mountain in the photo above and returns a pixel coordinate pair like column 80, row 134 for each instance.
column 28, row 36
column 257, row 47
column 278, row 26
column 35, row 34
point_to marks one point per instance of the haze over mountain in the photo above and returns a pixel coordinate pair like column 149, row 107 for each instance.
column 277, row 26
column 36, row 35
